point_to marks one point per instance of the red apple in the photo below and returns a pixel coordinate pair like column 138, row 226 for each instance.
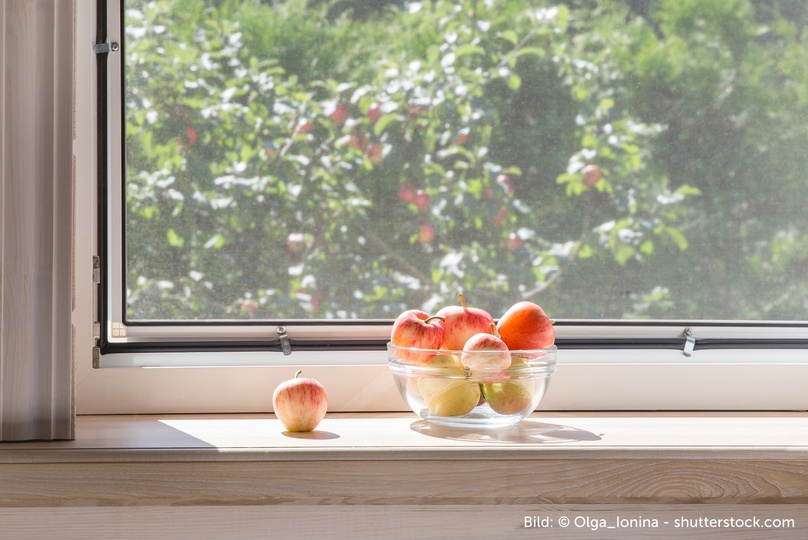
column 486, row 351
column 416, row 329
column 426, row 233
column 525, row 326
column 374, row 153
column 340, row 114
column 192, row 136
column 406, row 193
column 358, row 140
column 514, row 242
column 421, row 199
column 300, row 403
column 591, row 175
column 295, row 242
column 461, row 323
column 462, row 137
column 249, row 305
column 374, row 112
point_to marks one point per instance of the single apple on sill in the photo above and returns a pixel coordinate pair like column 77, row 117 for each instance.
column 300, row 403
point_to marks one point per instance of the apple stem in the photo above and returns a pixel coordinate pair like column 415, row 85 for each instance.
column 299, row 371
column 493, row 329
column 433, row 317
column 462, row 300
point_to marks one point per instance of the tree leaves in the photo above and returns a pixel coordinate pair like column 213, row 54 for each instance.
column 398, row 197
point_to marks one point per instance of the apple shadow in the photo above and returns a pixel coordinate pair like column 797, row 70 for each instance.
column 525, row 432
column 316, row 435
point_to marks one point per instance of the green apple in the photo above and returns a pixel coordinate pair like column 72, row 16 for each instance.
column 511, row 395
column 449, row 396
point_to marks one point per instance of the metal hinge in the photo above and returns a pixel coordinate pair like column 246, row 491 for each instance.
column 102, row 48
column 96, row 269
column 96, row 324
column 690, row 342
column 96, row 348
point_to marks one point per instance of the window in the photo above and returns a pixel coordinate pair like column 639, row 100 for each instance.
column 322, row 166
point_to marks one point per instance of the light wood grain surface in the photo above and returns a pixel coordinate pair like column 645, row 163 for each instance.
column 36, row 218
column 393, row 476
column 396, row 458
column 685, row 435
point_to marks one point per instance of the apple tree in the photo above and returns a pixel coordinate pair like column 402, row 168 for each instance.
column 298, row 159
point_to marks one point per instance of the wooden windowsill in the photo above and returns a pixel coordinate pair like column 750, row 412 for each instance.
column 559, row 458
column 379, row 436
column 391, row 475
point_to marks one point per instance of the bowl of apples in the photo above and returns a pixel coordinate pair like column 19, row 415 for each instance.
column 460, row 368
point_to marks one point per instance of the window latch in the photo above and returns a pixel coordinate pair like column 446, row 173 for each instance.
column 690, row 343
column 102, row 48
column 286, row 345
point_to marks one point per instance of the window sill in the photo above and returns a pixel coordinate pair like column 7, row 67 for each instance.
column 396, row 460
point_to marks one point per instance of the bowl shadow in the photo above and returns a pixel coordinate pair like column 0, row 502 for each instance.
column 525, row 432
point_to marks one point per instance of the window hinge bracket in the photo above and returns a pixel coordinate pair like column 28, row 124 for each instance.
column 96, row 323
column 96, row 269
column 286, row 345
column 690, row 343
column 103, row 48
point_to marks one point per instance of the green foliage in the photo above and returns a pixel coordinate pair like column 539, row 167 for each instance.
column 294, row 159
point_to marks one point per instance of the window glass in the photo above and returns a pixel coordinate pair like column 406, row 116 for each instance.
column 350, row 159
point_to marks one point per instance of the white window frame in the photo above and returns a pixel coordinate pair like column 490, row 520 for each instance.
column 591, row 377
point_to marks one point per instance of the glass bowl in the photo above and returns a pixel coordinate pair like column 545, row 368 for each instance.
column 441, row 390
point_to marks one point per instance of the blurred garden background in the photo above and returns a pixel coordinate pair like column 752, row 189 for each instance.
column 347, row 159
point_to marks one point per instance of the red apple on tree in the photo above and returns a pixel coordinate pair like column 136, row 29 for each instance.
column 417, row 329
column 300, row 403
column 340, row 114
column 358, row 140
column 406, row 193
column 462, row 137
column 374, row 112
column 374, row 153
column 249, row 305
column 421, row 199
column 591, row 175
column 295, row 242
column 192, row 136
column 514, row 242
column 461, row 323
column 426, row 233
